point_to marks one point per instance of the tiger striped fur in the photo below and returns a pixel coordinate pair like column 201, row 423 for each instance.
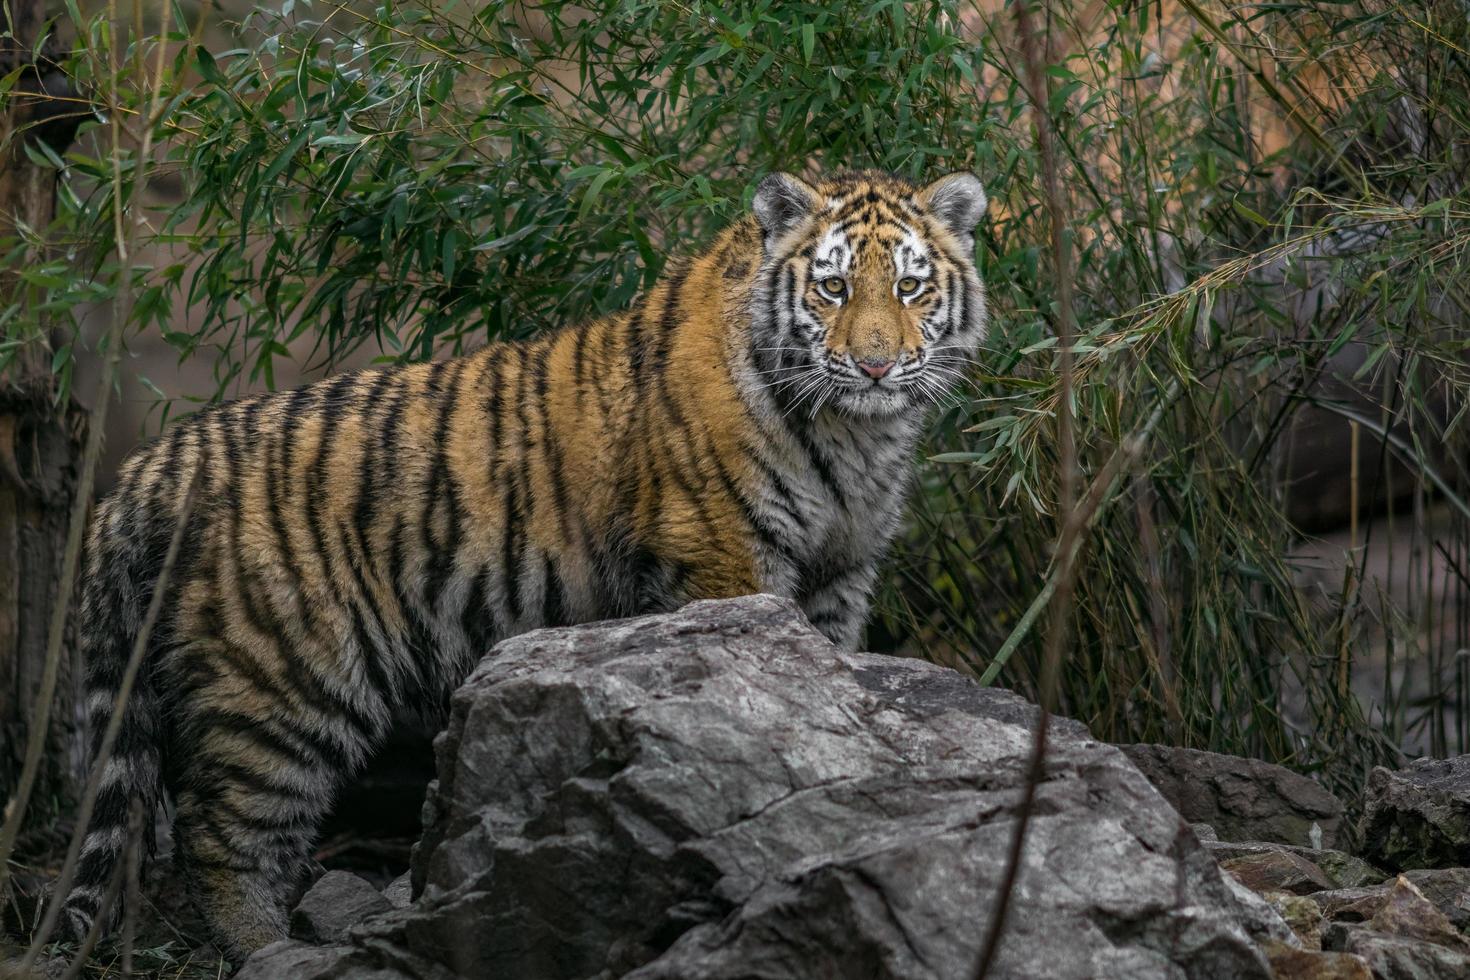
column 359, row 543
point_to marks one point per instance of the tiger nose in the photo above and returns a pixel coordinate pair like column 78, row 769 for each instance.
column 876, row 369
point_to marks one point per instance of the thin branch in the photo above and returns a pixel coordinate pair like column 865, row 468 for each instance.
column 1100, row 493
column 114, row 723
column 109, row 898
column 96, row 425
column 1071, row 532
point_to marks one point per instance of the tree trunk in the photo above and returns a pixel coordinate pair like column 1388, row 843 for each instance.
column 39, row 438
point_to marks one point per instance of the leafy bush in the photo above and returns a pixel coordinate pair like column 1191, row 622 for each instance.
column 1252, row 193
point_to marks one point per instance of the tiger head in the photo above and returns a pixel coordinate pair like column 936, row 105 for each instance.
column 867, row 299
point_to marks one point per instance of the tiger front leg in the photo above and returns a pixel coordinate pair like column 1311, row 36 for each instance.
column 246, row 820
column 238, row 878
column 836, row 597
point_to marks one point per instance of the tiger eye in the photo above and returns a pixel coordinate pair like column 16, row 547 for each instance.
column 835, row 285
column 907, row 285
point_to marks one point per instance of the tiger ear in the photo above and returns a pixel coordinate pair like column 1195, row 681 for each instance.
column 781, row 202
column 958, row 201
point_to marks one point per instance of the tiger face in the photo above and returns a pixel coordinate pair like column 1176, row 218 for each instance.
column 868, row 298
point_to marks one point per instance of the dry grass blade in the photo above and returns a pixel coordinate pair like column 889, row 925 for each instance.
column 114, row 723
column 115, row 886
column 1100, row 493
column 132, row 890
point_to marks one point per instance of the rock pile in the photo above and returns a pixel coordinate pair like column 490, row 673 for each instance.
column 1361, row 919
column 721, row 793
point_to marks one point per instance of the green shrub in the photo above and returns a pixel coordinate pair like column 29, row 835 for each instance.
column 1247, row 199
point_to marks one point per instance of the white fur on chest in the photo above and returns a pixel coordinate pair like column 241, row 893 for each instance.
column 840, row 487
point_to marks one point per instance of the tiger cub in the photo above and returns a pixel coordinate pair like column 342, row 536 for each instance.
column 357, row 544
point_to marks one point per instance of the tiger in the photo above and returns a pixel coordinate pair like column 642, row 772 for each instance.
column 356, row 545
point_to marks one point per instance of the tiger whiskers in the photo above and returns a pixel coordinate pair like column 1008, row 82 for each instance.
column 827, row 392
column 929, row 387
column 813, row 387
column 806, row 374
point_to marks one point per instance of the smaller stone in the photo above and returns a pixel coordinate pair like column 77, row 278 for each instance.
column 1259, row 919
column 1204, row 832
column 45, row 967
column 1301, row 914
column 1278, row 871
column 1418, row 816
column 338, row 901
column 1406, row 912
column 399, row 891
column 1398, row 957
column 1448, row 889
column 1345, row 870
column 1242, row 799
column 1350, row 904
column 1336, row 935
column 1289, row 963
column 290, row 959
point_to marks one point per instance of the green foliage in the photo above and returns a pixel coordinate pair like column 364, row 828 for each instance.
column 423, row 177
column 1223, row 290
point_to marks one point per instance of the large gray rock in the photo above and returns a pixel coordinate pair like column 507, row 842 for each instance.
column 719, row 792
column 1419, row 816
column 1242, row 799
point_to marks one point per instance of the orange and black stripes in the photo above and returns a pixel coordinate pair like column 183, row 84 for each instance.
column 360, row 542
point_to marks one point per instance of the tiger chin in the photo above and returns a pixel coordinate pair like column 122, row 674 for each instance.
column 357, row 544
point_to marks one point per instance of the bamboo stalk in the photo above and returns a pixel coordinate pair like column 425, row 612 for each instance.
column 1350, row 589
